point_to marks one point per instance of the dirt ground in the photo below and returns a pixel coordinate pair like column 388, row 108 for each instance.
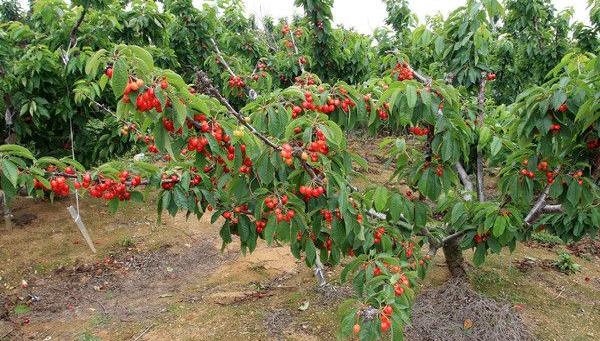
column 170, row 281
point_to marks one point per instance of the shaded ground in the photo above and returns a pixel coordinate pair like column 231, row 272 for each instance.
column 169, row 281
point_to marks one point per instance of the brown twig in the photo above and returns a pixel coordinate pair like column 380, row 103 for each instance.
column 144, row 332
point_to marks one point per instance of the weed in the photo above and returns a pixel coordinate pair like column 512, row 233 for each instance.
column 566, row 264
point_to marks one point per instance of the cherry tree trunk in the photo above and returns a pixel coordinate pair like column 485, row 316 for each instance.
column 454, row 258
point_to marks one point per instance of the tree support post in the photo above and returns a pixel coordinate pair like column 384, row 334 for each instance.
column 6, row 211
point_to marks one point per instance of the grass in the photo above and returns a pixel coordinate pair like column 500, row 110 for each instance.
column 126, row 241
column 100, row 320
column 546, row 239
column 88, row 337
column 21, row 309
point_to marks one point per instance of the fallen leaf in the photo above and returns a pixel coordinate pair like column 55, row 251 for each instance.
column 304, row 306
column 468, row 324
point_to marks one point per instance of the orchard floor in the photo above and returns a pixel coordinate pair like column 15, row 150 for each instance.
column 170, row 281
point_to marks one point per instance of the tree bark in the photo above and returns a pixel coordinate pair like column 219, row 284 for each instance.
column 454, row 258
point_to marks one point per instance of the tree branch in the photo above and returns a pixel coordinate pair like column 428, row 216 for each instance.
column 464, row 177
column 540, row 203
column 252, row 94
column 423, row 79
column 221, row 59
column 466, row 181
column 75, row 29
column 296, row 50
column 204, row 84
column 552, row 209
column 480, row 118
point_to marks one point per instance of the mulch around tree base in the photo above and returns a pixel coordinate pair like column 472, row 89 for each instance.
column 456, row 312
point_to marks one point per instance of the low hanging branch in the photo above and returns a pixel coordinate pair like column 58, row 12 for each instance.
column 205, row 86
column 539, row 208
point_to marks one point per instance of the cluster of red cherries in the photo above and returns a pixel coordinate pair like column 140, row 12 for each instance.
column 275, row 205
column 233, row 214
column 286, row 154
column 418, row 131
column 480, row 238
column 404, row 72
column 378, row 234
column 328, row 214
column 311, row 192
column 236, row 82
column 300, row 81
column 59, row 186
column 318, row 146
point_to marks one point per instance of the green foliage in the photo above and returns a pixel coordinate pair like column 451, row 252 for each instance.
column 566, row 264
column 258, row 157
column 546, row 238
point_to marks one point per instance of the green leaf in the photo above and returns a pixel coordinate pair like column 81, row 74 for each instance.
column 496, row 145
column 270, row 229
column 120, row 78
column 181, row 111
column 380, row 198
column 411, row 96
column 113, row 205
column 439, row 45
column 574, row 193
column 92, row 64
column 457, row 212
column 485, row 134
column 142, row 54
column 11, row 171
column 559, row 97
column 311, row 252
column 13, row 149
column 479, row 255
column 499, row 226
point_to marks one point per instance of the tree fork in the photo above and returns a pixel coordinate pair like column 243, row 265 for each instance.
column 454, row 257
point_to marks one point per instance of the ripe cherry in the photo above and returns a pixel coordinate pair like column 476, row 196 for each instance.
column 563, row 108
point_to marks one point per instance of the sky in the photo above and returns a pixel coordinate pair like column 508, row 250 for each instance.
column 366, row 15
